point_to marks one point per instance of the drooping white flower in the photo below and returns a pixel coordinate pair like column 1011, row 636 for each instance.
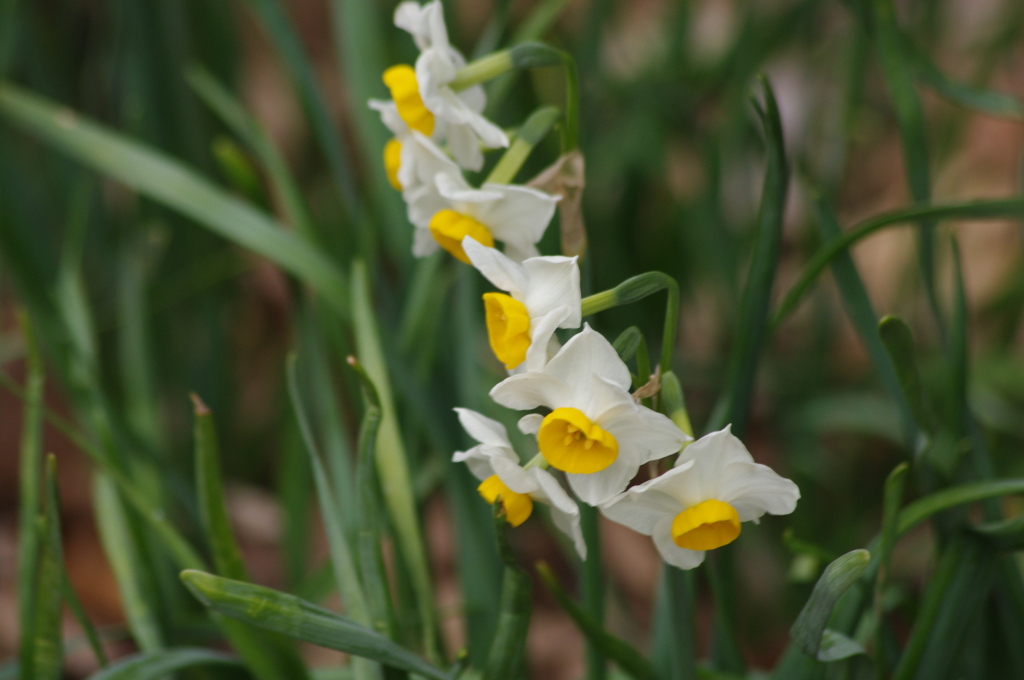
column 699, row 504
column 513, row 214
column 544, row 294
column 423, row 97
column 495, row 462
column 596, row 432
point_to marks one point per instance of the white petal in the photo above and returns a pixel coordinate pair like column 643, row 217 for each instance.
column 607, row 401
column 389, row 116
column 462, row 142
column 514, row 476
column 423, row 243
column 644, row 434
column 520, row 217
column 755, row 489
column 434, row 70
column 641, row 512
column 478, row 460
column 474, row 98
column 518, row 251
column 498, row 269
column 430, row 159
column 541, row 332
column 530, row 423
column 553, row 282
column 434, row 12
column 564, row 512
column 587, row 353
column 410, row 17
column 529, row 390
column 483, row 429
column 599, row 487
column 713, row 453
column 672, row 553
column 422, row 202
column 464, row 198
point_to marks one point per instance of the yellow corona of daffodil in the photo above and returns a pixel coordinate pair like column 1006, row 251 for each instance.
column 699, row 504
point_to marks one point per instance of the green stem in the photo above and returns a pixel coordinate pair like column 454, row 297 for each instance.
column 593, row 588
column 637, row 288
column 482, row 70
column 531, row 132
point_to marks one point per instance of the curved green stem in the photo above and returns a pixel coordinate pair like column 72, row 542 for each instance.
column 1002, row 208
column 637, row 288
column 532, row 131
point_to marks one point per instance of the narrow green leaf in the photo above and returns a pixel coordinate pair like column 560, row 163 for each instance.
column 47, row 647
column 30, row 461
column 734, row 405
column 674, row 647
column 673, row 404
column 392, row 463
column 619, row 651
column 628, row 343
column 92, row 636
column 159, row 664
column 899, row 343
column 977, row 99
column 842, row 573
column 970, row 210
column 862, row 313
column 897, row 70
column 296, row 618
column 248, row 129
column 227, row 557
column 288, row 45
column 175, row 185
column 343, row 563
column 959, row 587
column 1008, row 534
column 836, row 646
column 506, row 659
column 592, row 581
column 925, row 507
column 891, row 502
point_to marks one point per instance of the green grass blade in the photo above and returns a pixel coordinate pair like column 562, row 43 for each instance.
column 861, row 313
column 296, row 618
column 592, row 583
column 891, row 502
column 628, row 658
column 925, row 507
column 674, row 648
column 838, row 576
column 159, row 664
column 227, row 557
column 9, row 33
column 47, row 648
column 342, row 560
column 1007, row 208
column 734, row 405
column 92, row 636
column 371, row 565
column 30, row 461
column 958, row 589
column 506, row 659
column 899, row 343
column 248, row 129
column 171, row 183
column 121, row 550
column 392, row 463
column 899, row 79
column 304, row 80
column 981, row 100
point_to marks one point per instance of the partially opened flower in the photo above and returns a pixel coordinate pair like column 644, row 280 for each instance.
column 513, row 214
column 422, row 96
column 411, row 159
column 544, row 294
column 699, row 504
column 596, row 433
column 495, row 462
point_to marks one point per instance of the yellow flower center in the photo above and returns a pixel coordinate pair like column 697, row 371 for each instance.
column 570, row 442
column 518, row 506
column 508, row 328
column 706, row 526
column 450, row 227
column 393, row 161
column 401, row 80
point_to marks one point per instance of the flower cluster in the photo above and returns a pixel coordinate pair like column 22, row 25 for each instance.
column 587, row 425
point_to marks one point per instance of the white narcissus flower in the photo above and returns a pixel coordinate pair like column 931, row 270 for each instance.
column 411, row 159
column 596, row 433
column 495, row 462
column 423, row 98
column 544, row 294
column 699, row 504
column 513, row 214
